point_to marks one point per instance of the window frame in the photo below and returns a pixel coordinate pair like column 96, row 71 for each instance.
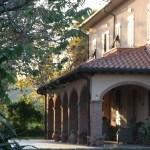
column 106, row 42
column 118, row 32
column 148, row 24
column 131, row 31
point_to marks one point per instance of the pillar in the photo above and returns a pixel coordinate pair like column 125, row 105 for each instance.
column 96, row 119
column 50, row 119
column 78, row 140
column 62, row 117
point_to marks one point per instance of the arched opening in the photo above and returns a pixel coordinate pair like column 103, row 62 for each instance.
column 65, row 113
column 50, row 118
column 58, row 113
column 73, row 111
column 125, row 106
column 83, row 115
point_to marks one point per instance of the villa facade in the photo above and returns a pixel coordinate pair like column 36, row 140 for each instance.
column 114, row 83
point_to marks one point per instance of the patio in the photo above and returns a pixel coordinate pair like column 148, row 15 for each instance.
column 50, row 144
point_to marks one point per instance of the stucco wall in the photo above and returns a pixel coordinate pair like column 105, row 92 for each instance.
column 76, row 85
column 102, row 83
column 139, row 10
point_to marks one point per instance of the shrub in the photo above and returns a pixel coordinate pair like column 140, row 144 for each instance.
column 144, row 131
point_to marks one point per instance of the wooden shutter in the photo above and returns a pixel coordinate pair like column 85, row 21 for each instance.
column 118, row 33
column 131, row 31
column 107, row 41
column 103, row 43
column 148, row 24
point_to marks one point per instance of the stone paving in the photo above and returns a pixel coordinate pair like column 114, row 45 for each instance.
column 50, row 144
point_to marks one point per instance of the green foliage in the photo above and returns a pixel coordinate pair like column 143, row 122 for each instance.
column 144, row 131
column 7, row 135
column 57, row 132
column 73, row 131
column 30, row 33
column 23, row 114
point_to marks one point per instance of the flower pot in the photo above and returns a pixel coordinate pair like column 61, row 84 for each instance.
column 83, row 138
column 56, row 136
column 73, row 137
column 63, row 137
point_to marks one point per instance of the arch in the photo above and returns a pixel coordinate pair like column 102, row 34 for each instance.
column 58, row 113
column 124, row 104
column 123, row 83
column 73, row 111
column 65, row 112
column 50, row 117
column 83, row 102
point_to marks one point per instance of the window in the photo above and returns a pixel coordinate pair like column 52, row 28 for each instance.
column 148, row 25
column 94, row 44
column 105, row 42
column 131, row 31
column 118, row 30
column 93, row 49
column 117, row 34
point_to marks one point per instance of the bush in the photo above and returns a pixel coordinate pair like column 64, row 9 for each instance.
column 144, row 131
column 25, row 118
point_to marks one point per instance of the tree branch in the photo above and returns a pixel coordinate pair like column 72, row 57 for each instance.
column 12, row 8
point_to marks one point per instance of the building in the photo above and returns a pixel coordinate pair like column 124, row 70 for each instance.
column 115, row 82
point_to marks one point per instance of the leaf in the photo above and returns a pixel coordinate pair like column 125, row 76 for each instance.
column 10, row 78
column 35, row 72
column 3, row 73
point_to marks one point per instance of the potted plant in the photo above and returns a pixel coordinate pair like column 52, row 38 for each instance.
column 83, row 138
column 56, row 136
column 96, row 141
column 73, row 137
column 144, row 132
column 63, row 136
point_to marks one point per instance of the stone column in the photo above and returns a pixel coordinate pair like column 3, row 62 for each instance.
column 50, row 121
column 62, row 117
column 96, row 119
column 54, row 121
column 68, row 119
column 78, row 132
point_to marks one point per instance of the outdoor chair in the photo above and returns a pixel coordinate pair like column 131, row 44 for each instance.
column 126, row 135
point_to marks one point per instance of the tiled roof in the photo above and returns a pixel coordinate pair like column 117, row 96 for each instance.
column 127, row 60
column 123, row 60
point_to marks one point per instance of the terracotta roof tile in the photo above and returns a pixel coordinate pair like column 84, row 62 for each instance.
column 130, row 59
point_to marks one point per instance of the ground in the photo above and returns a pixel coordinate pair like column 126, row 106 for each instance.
column 51, row 145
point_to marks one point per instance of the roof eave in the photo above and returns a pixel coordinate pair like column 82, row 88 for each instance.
column 50, row 86
column 99, row 14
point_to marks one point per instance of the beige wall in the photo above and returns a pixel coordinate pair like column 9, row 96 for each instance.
column 77, row 85
column 140, row 8
column 102, row 83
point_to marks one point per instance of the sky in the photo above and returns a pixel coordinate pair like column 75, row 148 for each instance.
column 94, row 4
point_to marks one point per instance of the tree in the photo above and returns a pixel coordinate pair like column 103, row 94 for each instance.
column 30, row 31
column 22, row 113
column 75, row 54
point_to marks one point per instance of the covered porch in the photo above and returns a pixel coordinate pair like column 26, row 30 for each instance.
column 115, row 87
column 115, row 105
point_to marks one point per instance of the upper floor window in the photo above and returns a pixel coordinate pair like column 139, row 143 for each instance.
column 93, row 49
column 117, row 34
column 131, row 31
column 105, row 41
column 148, row 24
